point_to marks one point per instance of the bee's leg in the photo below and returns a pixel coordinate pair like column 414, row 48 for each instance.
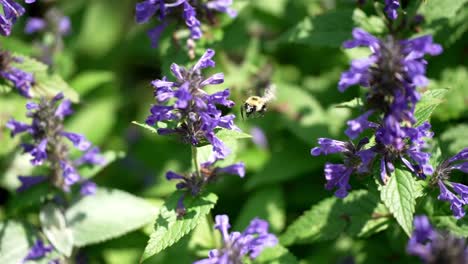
column 242, row 112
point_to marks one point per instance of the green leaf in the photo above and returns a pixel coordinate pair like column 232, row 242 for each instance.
column 46, row 84
column 440, row 9
column 333, row 216
column 328, row 29
column 16, row 238
column 267, row 204
column 89, row 80
column 372, row 24
column 168, row 229
column 145, row 126
column 454, row 104
column 107, row 214
column 399, row 195
column 55, row 228
column 226, row 134
column 276, row 255
column 89, row 172
column 429, row 102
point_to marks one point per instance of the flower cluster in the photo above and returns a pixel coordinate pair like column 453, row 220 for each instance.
column 392, row 74
column 21, row 80
column 46, row 131
column 441, row 178
column 11, row 12
column 236, row 246
column 188, row 110
column 187, row 9
column 434, row 246
column 195, row 182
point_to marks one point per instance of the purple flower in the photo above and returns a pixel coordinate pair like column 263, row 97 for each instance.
column 11, row 12
column 21, row 80
column 355, row 160
column 237, row 245
column 457, row 198
column 193, row 113
column 391, row 73
column 391, row 7
column 88, row 188
column 70, row 174
column 165, row 12
column 29, row 181
column 39, row 250
column 79, row 141
column 54, row 21
column 34, row 24
column 47, row 143
column 434, row 246
column 259, row 137
column 223, row 6
column 92, row 156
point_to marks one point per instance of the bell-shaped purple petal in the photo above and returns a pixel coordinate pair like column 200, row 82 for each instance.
column 145, row 10
column 34, row 24
column 183, row 96
column 235, row 169
column 64, row 109
column 155, row 34
column 92, row 156
column 205, row 61
column 461, row 190
column 39, row 153
column 17, row 127
column 21, row 80
column 361, row 38
column 88, row 188
column 39, row 250
column 79, row 141
column 170, row 175
column 190, row 17
column 69, row 173
column 329, row 146
column 216, row 78
column 391, row 7
column 337, row 176
column 223, row 6
column 358, row 125
column 456, row 204
column 29, row 181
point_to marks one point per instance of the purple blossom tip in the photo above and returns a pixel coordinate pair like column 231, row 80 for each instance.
column 88, row 188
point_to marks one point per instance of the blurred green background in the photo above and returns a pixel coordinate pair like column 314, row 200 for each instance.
column 295, row 44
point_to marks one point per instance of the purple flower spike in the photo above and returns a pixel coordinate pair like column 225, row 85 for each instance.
column 456, row 204
column 190, row 112
column 11, row 12
column 237, row 245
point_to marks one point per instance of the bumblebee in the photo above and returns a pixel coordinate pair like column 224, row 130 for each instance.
column 257, row 106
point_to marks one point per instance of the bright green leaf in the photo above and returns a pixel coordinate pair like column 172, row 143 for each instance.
column 89, row 80
column 333, row 216
column 55, row 228
column 429, row 102
column 107, row 214
column 399, row 195
column 276, row 255
column 145, row 126
column 16, row 239
column 168, row 229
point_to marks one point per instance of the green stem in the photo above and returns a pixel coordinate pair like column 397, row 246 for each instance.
column 196, row 165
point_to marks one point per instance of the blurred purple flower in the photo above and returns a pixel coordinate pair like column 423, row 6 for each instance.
column 237, row 245
column 457, row 198
column 38, row 251
column 165, row 12
column 259, row 138
column 391, row 7
column 48, row 144
column 21, row 80
column 434, row 246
